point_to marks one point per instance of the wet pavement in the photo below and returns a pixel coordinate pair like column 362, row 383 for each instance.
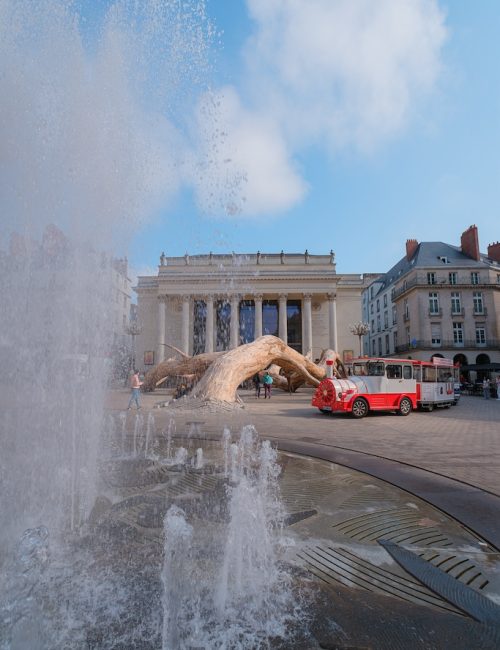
column 395, row 520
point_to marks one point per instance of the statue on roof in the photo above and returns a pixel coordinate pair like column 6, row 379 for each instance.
column 163, row 259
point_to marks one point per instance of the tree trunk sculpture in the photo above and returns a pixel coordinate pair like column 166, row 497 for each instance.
column 221, row 380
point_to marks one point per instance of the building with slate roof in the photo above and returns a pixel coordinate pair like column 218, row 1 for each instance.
column 438, row 300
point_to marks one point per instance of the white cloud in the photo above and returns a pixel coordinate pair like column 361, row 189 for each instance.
column 330, row 73
column 348, row 71
column 244, row 166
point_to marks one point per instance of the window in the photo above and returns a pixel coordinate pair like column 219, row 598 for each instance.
column 458, row 334
column 456, row 307
column 375, row 368
column 480, row 335
column 433, row 303
column 371, row 308
column 373, row 326
column 408, row 335
column 431, row 278
column 452, row 277
column 385, row 300
column 378, row 323
column 379, row 346
column 436, row 335
column 474, row 277
column 386, row 320
column 371, row 292
column 395, row 337
column 387, row 345
column 394, row 371
column 394, row 315
column 477, row 298
column 378, row 305
column 407, row 372
column 406, row 309
column 498, row 278
column 373, row 348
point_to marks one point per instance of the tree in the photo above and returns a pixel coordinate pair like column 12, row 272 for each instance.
column 359, row 330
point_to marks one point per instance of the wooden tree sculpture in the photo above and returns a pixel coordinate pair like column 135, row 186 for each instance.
column 221, row 373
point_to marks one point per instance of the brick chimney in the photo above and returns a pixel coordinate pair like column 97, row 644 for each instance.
column 494, row 252
column 470, row 243
column 411, row 247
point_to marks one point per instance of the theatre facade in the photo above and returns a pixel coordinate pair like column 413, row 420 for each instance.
column 208, row 303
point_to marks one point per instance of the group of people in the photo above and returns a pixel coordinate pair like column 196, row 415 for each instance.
column 266, row 381
column 487, row 387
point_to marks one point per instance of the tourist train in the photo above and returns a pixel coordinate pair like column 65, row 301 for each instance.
column 399, row 385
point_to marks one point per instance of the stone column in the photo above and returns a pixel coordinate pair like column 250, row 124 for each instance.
column 282, row 320
column 160, row 350
column 186, row 304
column 307, row 335
column 209, row 329
column 258, row 315
column 234, row 327
column 332, row 320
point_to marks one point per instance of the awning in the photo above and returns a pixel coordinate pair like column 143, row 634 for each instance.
column 482, row 366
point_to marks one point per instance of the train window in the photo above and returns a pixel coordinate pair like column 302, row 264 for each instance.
column 375, row 368
column 406, row 372
column 428, row 373
column 359, row 369
column 417, row 373
column 394, row 371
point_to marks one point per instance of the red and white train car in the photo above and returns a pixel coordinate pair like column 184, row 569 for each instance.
column 399, row 385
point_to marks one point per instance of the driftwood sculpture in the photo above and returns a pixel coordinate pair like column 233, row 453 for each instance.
column 220, row 373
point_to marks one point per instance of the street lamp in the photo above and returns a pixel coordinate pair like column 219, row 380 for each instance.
column 133, row 330
column 359, row 330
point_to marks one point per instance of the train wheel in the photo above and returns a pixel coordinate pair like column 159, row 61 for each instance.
column 325, row 412
column 430, row 408
column 404, row 406
column 359, row 408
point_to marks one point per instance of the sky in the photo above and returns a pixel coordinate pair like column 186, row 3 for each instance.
column 360, row 124
column 253, row 125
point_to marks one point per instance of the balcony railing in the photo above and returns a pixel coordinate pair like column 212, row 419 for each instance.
column 457, row 312
column 492, row 344
column 442, row 281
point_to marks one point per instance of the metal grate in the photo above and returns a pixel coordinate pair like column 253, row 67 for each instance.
column 340, row 565
column 457, row 566
column 397, row 525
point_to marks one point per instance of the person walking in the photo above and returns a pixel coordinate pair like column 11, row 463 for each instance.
column 135, row 385
column 486, row 388
column 268, row 382
column 257, row 384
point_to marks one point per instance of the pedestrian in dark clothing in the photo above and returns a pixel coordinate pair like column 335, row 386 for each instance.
column 257, row 384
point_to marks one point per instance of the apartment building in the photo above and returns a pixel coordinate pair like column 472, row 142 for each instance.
column 439, row 300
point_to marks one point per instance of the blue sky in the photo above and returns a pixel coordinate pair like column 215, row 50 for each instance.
column 244, row 125
column 429, row 178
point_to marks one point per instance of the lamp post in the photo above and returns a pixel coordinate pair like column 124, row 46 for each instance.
column 133, row 330
column 359, row 330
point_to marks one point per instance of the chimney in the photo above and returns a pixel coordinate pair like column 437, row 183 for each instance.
column 494, row 252
column 411, row 247
column 470, row 243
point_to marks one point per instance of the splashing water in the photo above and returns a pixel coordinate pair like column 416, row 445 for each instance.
column 150, row 427
column 246, row 598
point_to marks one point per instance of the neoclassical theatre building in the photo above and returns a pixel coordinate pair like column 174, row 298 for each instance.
column 206, row 303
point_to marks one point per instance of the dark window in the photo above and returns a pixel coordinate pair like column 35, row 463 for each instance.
column 247, row 321
column 199, row 327
column 294, row 324
column 270, row 317
column 394, row 371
